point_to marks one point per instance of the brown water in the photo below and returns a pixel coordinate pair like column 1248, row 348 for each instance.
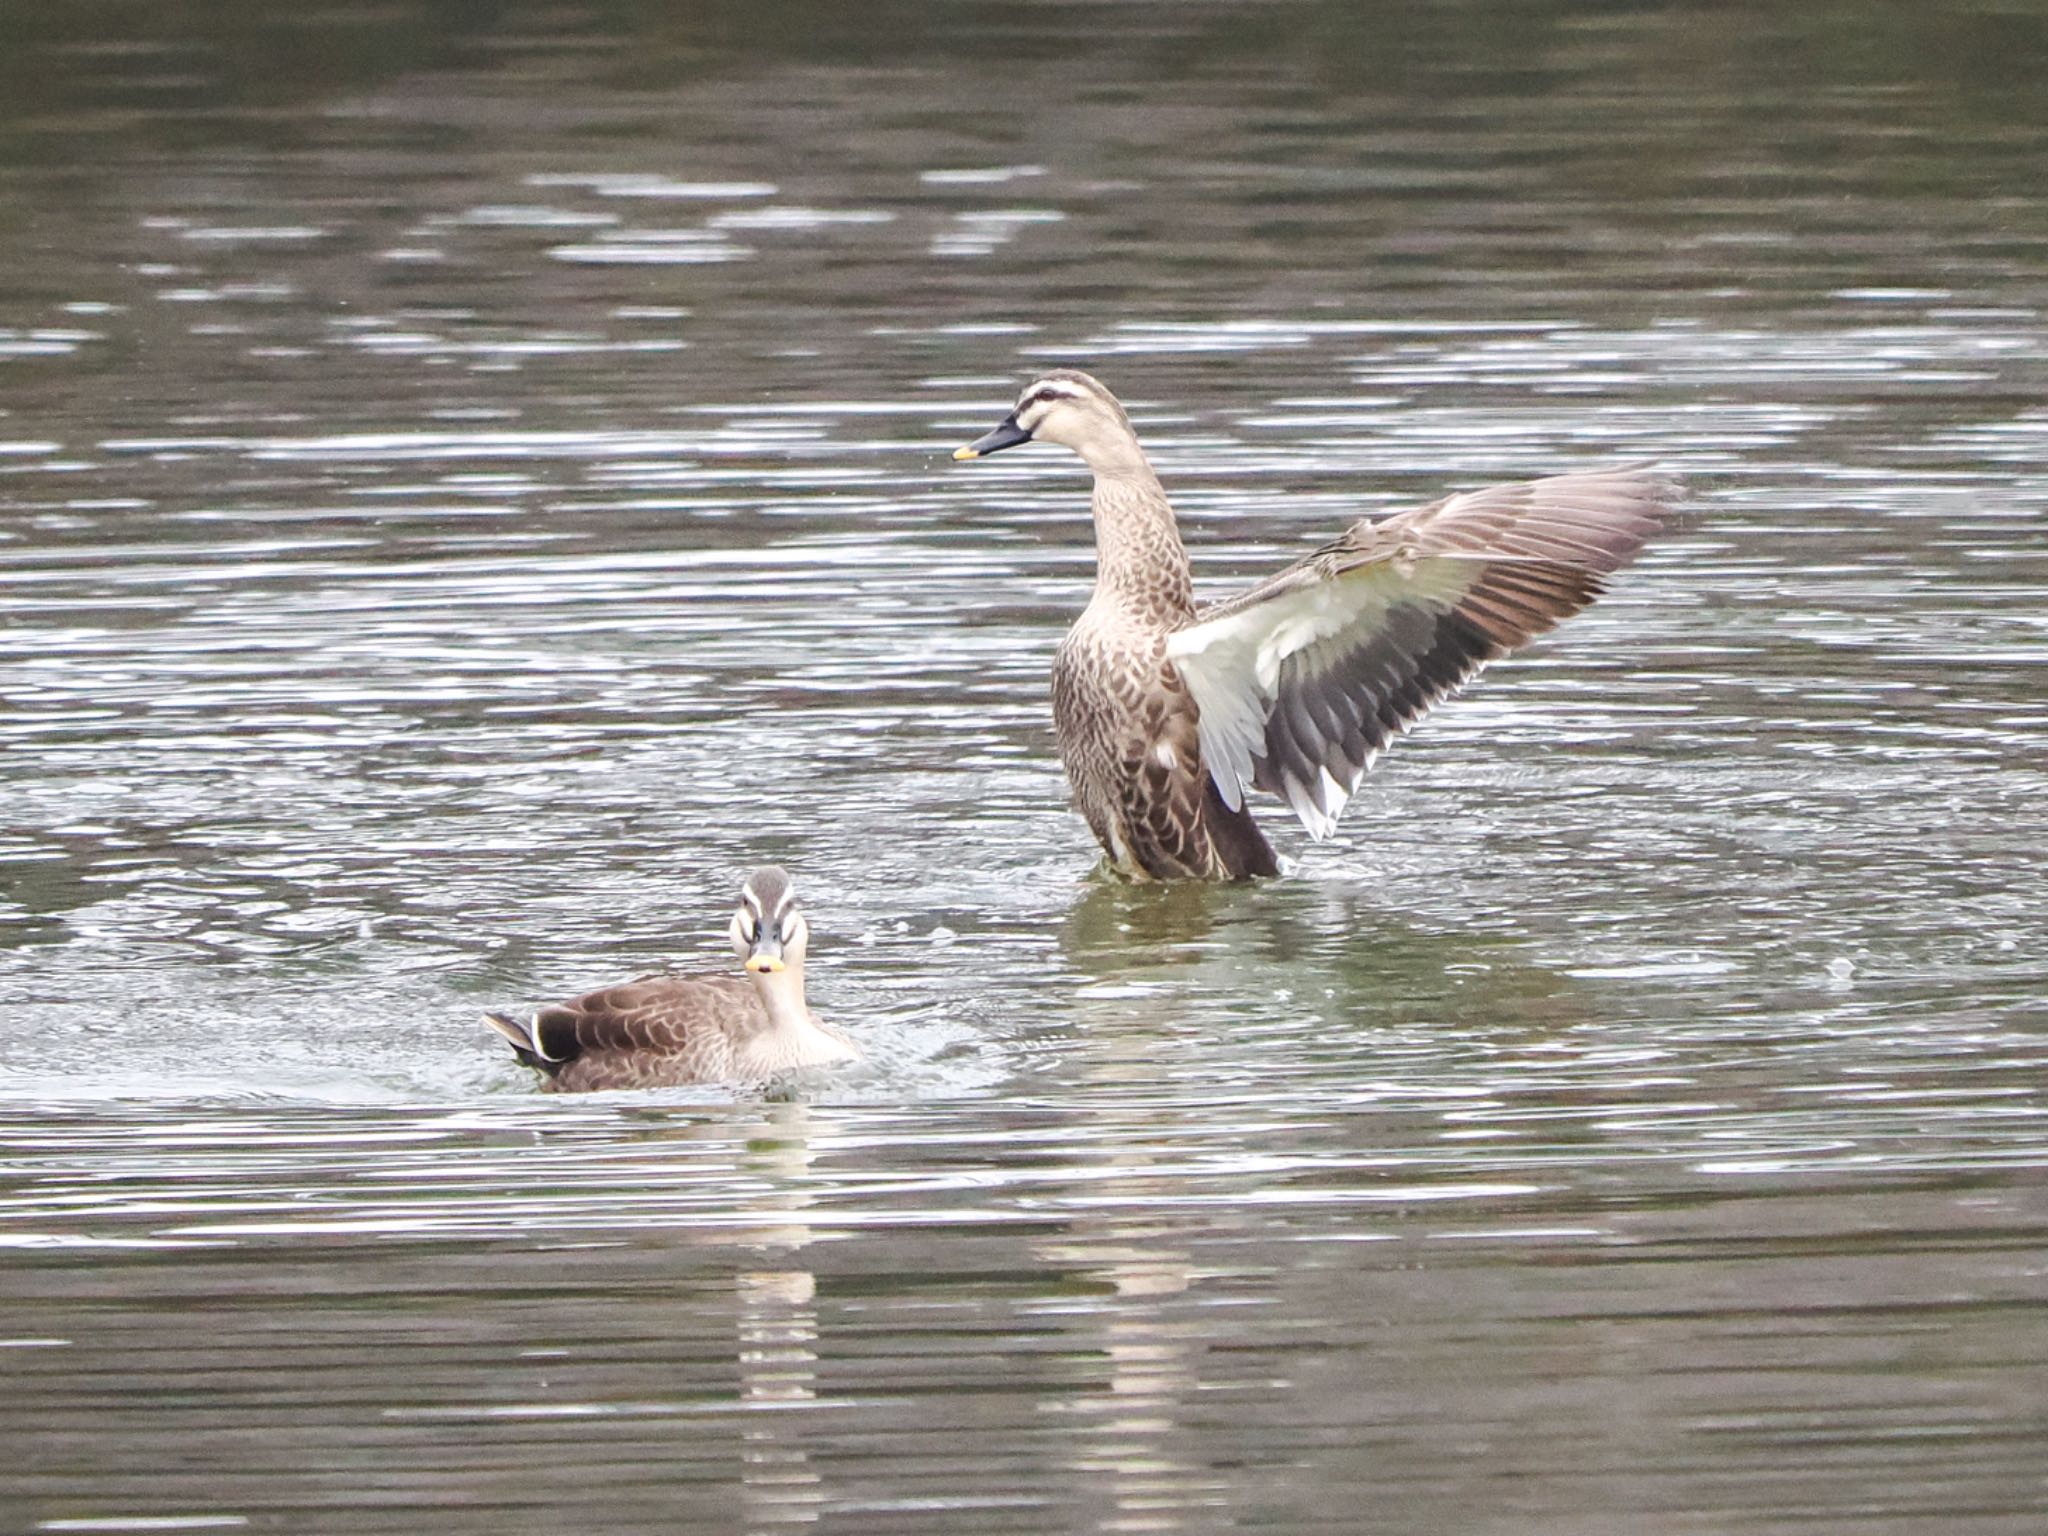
column 473, row 480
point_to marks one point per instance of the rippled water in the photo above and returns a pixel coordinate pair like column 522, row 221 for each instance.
column 471, row 484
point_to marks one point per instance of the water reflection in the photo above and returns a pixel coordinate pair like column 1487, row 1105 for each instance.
column 1344, row 968
column 1115, row 926
column 1125, row 1423
column 472, row 479
column 777, row 1328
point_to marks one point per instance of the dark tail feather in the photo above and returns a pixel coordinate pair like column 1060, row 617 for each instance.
column 1238, row 841
column 521, row 1039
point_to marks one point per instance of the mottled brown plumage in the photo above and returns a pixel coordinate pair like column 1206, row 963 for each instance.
column 1164, row 714
column 665, row 1029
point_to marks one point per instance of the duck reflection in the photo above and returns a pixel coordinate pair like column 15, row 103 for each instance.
column 1115, row 923
column 1331, row 948
column 776, row 1322
column 1332, row 991
column 1128, row 1419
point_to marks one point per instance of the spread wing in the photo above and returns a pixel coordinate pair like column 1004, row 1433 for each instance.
column 1303, row 680
column 658, row 1015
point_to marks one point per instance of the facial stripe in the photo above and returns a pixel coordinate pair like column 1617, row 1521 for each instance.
column 755, row 897
column 1045, row 392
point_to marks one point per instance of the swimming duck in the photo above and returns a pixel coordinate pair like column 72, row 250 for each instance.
column 666, row 1029
column 1165, row 714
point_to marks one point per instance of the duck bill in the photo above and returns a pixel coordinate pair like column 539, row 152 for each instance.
column 1006, row 435
column 766, row 957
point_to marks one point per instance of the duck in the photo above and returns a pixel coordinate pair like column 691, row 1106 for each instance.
column 1166, row 714
column 666, row 1029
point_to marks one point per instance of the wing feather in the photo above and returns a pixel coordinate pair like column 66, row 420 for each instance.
column 652, row 1014
column 1303, row 680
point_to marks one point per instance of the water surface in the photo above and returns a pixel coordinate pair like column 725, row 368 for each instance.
column 472, row 482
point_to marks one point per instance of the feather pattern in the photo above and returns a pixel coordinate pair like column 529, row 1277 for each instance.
column 1303, row 680
column 667, row 1029
column 1165, row 715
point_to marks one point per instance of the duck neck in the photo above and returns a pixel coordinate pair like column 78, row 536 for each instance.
column 792, row 1036
column 1139, row 558
column 782, row 998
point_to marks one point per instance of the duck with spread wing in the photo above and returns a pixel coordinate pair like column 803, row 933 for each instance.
column 1165, row 714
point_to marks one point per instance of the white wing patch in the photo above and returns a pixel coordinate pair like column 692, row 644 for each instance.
column 1320, row 666
column 1232, row 665
column 1218, row 665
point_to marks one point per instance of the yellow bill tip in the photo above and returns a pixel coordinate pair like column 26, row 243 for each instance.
column 965, row 453
column 762, row 965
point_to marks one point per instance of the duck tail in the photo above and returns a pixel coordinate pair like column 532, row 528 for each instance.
column 523, row 1044
column 1241, row 848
